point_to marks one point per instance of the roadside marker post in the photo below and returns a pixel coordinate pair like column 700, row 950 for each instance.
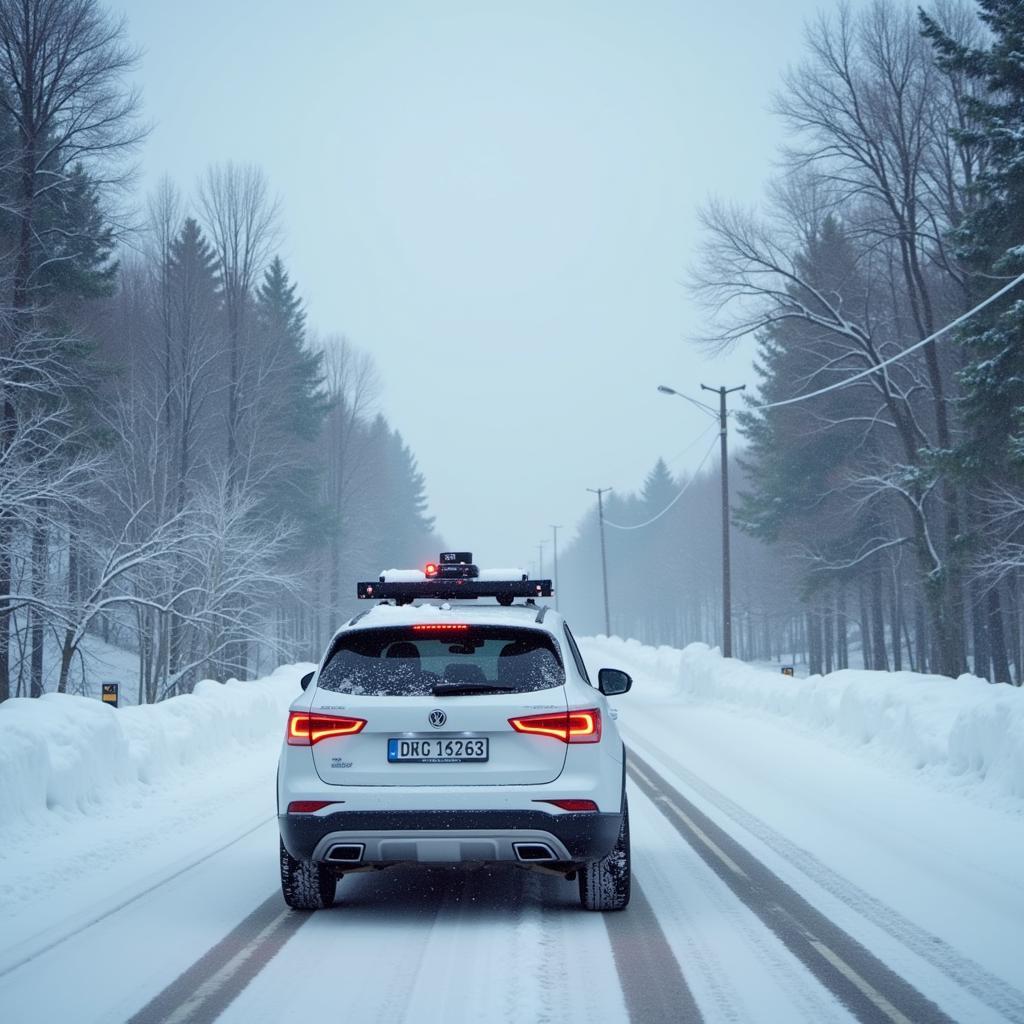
column 109, row 694
column 787, row 670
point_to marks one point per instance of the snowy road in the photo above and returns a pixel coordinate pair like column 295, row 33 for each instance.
column 763, row 892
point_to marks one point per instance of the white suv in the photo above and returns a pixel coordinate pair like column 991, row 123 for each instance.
column 448, row 733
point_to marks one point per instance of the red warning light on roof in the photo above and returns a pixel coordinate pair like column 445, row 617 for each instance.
column 431, row 569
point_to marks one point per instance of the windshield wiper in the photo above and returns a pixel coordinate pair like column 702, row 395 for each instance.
column 443, row 689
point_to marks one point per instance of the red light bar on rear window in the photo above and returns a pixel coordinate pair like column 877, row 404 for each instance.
column 440, row 627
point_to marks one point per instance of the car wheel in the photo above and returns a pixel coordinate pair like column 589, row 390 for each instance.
column 604, row 884
column 305, row 884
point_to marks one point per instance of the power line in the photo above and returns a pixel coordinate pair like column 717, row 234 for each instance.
column 686, row 487
column 899, row 355
column 693, row 444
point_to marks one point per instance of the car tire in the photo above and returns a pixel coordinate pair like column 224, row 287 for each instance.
column 604, row 884
column 305, row 884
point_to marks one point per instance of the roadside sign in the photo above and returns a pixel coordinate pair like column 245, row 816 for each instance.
column 787, row 670
column 109, row 695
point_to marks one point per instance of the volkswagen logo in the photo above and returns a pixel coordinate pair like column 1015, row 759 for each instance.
column 437, row 718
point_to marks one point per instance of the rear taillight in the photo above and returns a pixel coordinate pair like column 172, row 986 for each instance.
column 567, row 726
column 306, row 728
column 310, row 806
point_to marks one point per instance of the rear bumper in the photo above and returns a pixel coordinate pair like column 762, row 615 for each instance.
column 391, row 837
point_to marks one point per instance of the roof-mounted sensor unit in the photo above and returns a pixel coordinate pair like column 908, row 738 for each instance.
column 453, row 577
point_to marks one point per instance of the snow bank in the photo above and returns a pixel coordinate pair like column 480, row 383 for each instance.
column 964, row 727
column 65, row 754
column 658, row 667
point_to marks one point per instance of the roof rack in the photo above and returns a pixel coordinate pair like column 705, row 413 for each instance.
column 453, row 577
column 453, row 590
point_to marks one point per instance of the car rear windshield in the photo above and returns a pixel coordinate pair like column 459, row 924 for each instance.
column 440, row 661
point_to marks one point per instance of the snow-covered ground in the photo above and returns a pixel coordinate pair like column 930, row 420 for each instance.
column 893, row 803
column 95, row 802
column 963, row 734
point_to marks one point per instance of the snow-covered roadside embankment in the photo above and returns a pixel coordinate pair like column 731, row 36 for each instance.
column 67, row 755
column 966, row 729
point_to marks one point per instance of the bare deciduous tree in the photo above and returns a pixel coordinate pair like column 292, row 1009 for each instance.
column 62, row 65
column 872, row 119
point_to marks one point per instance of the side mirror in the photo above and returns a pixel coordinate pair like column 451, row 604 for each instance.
column 306, row 679
column 613, row 681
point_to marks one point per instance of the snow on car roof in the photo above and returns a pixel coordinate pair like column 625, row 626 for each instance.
column 403, row 575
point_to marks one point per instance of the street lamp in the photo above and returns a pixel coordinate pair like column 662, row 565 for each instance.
column 666, row 390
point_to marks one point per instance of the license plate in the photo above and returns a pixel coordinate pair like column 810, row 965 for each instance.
column 437, row 750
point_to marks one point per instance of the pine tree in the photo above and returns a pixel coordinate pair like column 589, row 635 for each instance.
column 990, row 236
column 292, row 403
column 796, row 453
column 77, row 248
column 655, row 552
column 404, row 525
column 189, row 343
column 659, row 488
column 801, row 459
column 283, row 320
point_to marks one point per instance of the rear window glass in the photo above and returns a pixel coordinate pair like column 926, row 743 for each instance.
column 405, row 661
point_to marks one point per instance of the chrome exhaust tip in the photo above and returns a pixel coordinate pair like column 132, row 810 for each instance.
column 533, row 853
column 345, row 853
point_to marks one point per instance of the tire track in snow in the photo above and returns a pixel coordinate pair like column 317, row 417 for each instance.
column 406, row 958
column 986, row 987
column 502, row 945
column 207, row 988
column 867, row 987
column 652, row 980
column 453, row 979
column 517, row 948
column 738, row 969
column 459, row 943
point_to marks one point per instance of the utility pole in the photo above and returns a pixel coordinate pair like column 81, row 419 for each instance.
column 723, row 419
column 600, row 492
column 554, row 552
column 540, row 559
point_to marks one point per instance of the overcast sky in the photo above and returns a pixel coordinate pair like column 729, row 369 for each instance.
column 496, row 200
